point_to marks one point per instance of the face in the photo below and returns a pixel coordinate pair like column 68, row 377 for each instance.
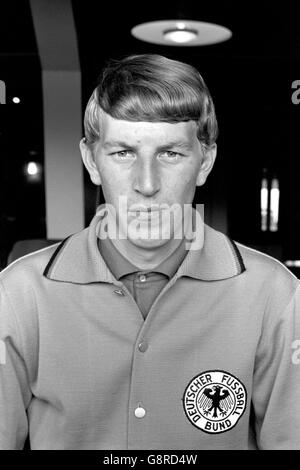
column 154, row 165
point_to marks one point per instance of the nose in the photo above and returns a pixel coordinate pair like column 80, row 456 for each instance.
column 146, row 178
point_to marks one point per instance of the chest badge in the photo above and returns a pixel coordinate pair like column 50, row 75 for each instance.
column 214, row 401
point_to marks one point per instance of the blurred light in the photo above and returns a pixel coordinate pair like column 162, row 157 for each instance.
column 274, row 205
column 180, row 35
column 2, row 92
column 33, row 172
column 16, row 99
column 32, row 168
column 293, row 263
column 264, row 195
column 180, row 25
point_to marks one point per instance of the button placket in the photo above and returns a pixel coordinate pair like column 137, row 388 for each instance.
column 137, row 390
column 124, row 291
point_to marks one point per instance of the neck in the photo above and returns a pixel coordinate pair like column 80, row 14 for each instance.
column 149, row 257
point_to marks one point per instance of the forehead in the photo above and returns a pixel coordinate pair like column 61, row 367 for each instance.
column 140, row 132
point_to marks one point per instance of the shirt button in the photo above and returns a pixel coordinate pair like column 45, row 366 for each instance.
column 139, row 412
column 143, row 278
column 143, row 346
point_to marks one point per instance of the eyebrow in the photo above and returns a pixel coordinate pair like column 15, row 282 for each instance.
column 175, row 143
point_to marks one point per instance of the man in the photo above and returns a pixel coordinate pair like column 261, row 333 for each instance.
column 128, row 335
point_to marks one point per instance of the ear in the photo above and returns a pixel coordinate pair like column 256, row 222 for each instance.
column 207, row 162
column 89, row 162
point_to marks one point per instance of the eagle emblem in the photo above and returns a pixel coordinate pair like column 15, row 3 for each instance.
column 214, row 401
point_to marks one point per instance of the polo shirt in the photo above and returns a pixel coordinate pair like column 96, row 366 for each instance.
column 215, row 364
column 143, row 285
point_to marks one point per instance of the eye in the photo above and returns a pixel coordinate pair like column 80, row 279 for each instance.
column 123, row 155
column 170, row 155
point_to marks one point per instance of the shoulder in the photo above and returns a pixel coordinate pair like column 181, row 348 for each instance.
column 25, row 269
column 262, row 262
column 277, row 280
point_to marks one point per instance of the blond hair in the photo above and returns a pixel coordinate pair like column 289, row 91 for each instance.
column 152, row 88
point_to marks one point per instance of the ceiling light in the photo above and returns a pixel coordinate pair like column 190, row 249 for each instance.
column 180, row 36
column 16, row 99
column 181, row 33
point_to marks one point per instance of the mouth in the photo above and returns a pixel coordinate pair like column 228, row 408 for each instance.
column 144, row 214
column 144, row 210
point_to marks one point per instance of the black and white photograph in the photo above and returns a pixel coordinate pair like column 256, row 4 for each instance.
column 149, row 228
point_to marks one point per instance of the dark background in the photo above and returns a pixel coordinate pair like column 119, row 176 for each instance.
column 250, row 78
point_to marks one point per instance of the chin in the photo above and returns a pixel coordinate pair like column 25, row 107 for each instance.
column 148, row 244
column 147, row 241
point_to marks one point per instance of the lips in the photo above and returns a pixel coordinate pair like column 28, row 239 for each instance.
column 153, row 208
column 144, row 213
column 147, row 210
column 135, row 210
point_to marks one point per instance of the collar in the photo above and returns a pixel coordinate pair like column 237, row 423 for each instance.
column 120, row 266
column 77, row 259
